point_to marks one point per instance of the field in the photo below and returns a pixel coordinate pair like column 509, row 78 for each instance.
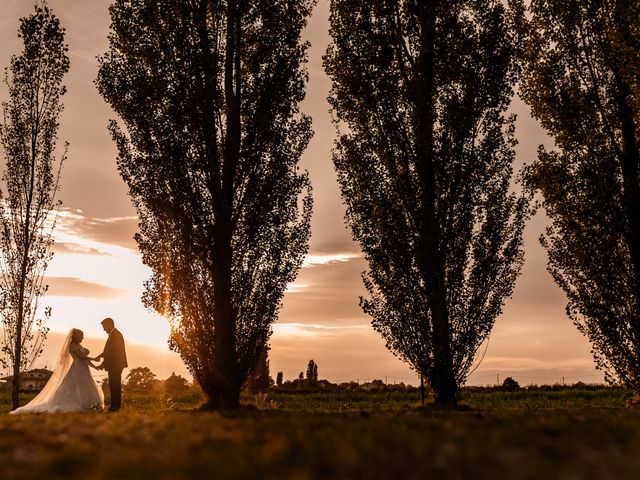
column 543, row 434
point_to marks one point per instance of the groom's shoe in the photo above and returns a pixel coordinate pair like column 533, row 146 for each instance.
column 112, row 410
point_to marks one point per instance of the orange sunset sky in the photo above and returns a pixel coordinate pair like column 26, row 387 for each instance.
column 97, row 271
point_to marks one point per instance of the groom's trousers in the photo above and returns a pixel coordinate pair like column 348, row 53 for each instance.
column 115, row 388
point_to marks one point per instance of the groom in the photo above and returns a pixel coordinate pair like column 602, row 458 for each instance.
column 114, row 360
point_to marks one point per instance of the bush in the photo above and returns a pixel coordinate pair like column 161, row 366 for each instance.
column 510, row 385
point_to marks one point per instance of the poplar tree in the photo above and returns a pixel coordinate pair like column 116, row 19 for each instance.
column 209, row 139
column 28, row 208
column 425, row 163
column 312, row 372
column 582, row 81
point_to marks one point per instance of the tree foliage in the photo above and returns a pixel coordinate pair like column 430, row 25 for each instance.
column 260, row 379
column 510, row 385
column 582, row 81
column 176, row 384
column 312, row 372
column 140, row 379
column 28, row 207
column 208, row 93
column 424, row 162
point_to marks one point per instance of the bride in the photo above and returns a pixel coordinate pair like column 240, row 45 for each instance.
column 71, row 388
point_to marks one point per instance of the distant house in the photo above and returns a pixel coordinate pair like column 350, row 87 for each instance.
column 31, row 381
column 372, row 386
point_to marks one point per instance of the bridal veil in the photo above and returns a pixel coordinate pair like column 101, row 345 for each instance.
column 64, row 363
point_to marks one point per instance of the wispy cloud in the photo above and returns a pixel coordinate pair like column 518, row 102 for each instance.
column 118, row 231
column 76, row 287
column 306, row 329
column 77, row 249
column 326, row 258
column 330, row 243
column 328, row 293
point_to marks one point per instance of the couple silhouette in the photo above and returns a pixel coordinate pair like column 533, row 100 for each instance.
column 71, row 387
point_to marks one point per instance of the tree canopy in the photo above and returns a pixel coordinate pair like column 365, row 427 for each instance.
column 141, row 379
column 424, row 161
column 582, row 81
column 209, row 141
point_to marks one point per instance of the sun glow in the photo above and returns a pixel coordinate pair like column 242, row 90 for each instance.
column 91, row 279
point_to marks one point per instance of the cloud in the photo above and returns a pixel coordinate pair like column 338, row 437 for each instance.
column 322, row 245
column 117, row 231
column 75, row 287
column 77, row 249
column 323, row 259
column 327, row 294
column 304, row 330
column 535, row 363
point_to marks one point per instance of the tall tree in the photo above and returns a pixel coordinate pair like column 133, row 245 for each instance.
column 28, row 207
column 208, row 93
column 312, row 372
column 582, row 81
column 425, row 165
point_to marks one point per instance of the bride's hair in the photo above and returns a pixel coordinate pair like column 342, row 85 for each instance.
column 75, row 333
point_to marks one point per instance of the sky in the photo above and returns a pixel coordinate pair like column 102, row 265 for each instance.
column 97, row 270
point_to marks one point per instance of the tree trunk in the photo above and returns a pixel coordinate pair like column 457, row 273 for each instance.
column 225, row 391
column 443, row 379
column 15, row 387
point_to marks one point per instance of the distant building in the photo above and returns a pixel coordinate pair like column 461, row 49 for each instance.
column 31, row 381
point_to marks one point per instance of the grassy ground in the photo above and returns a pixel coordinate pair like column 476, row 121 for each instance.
column 567, row 434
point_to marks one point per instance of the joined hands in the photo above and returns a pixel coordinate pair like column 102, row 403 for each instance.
column 94, row 359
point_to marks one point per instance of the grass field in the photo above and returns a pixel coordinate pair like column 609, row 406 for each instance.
column 563, row 434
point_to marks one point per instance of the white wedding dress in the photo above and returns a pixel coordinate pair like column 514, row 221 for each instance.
column 71, row 388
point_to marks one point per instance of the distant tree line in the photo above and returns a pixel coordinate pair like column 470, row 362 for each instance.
column 210, row 135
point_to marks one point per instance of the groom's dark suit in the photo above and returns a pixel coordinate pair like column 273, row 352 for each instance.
column 114, row 361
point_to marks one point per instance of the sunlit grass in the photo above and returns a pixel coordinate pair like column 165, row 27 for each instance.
column 577, row 433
